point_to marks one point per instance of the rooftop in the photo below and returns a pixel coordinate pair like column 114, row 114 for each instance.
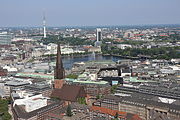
column 36, row 75
column 69, row 92
column 113, row 112
column 17, row 83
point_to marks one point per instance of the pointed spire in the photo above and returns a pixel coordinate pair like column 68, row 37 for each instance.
column 59, row 70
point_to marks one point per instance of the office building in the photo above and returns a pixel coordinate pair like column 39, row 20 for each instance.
column 5, row 38
column 98, row 37
column 98, row 34
column 147, row 107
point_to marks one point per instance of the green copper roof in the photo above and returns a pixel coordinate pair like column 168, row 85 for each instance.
column 135, row 79
column 151, row 72
column 86, row 82
column 35, row 75
column 69, row 79
column 91, row 82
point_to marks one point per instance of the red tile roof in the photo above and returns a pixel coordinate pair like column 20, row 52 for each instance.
column 113, row 113
column 87, row 47
column 135, row 117
column 52, row 115
column 164, row 35
column 107, row 111
column 138, row 34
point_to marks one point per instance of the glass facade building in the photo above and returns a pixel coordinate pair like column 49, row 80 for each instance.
column 5, row 38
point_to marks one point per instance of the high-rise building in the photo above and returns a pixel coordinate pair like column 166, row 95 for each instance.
column 44, row 26
column 5, row 38
column 59, row 72
column 98, row 37
column 98, row 34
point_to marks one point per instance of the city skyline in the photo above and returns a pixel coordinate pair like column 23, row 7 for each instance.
column 89, row 60
column 88, row 13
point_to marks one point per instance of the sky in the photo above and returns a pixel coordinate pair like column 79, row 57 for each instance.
column 29, row 13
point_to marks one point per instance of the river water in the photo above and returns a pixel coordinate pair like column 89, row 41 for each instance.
column 69, row 61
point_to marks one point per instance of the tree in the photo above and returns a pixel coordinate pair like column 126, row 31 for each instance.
column 116, row 115
column 72, row 76
column 4, row 109
column 70, row 40
column 69, row 112
column 113, row 88
column 99, row 96
column 82, row 100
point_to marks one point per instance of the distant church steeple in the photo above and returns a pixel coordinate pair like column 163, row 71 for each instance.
column 59, row 70
column 44, row 25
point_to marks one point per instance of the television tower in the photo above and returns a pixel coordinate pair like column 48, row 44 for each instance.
column 44, row 25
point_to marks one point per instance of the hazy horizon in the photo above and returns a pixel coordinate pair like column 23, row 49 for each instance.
column 21, row 13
